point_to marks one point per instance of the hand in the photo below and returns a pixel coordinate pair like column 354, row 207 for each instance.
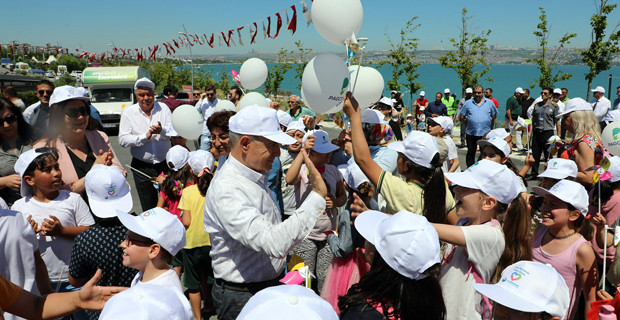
column 357, row 206
column 51, row 227
column 308, row 122
column 203, row 95
column 13, row 181
column 309, row 143
column 529, row 159
column 318, row 185
column 93, row 297
column 599, row 220
column 511, row 123
column 274, row 105
column 104, row 158
column 154, row 129
column 348, row 148
column 350, row 106
column 329, row 201
column 603, row 295
column 33, row 224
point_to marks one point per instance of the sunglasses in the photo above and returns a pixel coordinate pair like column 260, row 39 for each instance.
column 196, row 94
column 210, row 94
column 74, row 113
column 9, row 119
column 43, row 92
column 478, row 92
column 131, row 241
column 544, row 93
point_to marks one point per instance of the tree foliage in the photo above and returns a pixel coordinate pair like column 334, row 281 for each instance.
column 172, row 71
column 277, row 72
column 546, row 60
column 299, row 59
column 468, row 57
column 598, row 55
column 65, row 80
column 401, row 59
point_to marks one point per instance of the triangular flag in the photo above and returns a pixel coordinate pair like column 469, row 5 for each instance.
column 239, row 33
column 264, row 30
column 210, row 40
column 278, row 26
column 306, row 12
column 286, row 15
column 293, row 24
column 253, row 33
column 220, row 37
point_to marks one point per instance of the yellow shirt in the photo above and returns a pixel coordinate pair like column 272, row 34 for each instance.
column 9, row 292
column 193, row 201
column 404, row 195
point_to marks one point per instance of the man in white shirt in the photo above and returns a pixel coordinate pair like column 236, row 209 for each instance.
column 600, row 105
column 143, row 129
column 249, row 241
column 37, row 114
column 205, row 106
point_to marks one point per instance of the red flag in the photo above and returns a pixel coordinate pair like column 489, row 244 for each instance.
column 57, row 51
column 77, row 50
column 254, row 33
column 24, row 47
column 11, row 48
column 278, row 26
column 153, row 56
column 228, row 39
column 67, row 50
column 176, row 44
column 210, row 41
column 92, row 57
column 84, row 53
column 239, row 33
column 293, row 24
column 102, row 56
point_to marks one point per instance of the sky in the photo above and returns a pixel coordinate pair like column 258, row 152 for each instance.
column 138, row 24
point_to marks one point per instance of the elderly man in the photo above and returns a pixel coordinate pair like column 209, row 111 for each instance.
column 249, row 241
column 600, row 105
column 479, row 114
column 37, row 115
column 205, row 106
column 296, row 110
column 143, row 129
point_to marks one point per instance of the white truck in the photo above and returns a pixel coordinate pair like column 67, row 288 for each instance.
column 111, row 90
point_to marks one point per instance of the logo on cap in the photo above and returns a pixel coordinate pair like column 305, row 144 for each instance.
column 515, row 276
column 71, row 91
column 557, row 185
column 111, row 191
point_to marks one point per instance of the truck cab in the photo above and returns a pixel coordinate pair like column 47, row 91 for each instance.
column 111, row 90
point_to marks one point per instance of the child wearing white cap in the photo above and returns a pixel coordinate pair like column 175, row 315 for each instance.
column 478, row 247
column 196, row 260
column 313, row 249
column 402, row 281
column 409, row 126
column 290, row 302
column 147, row 302
column 288, row 153
column 441, row 127
column 560, row 241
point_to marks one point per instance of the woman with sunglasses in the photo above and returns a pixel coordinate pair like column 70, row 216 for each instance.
column 15, row 138
column 72, row 131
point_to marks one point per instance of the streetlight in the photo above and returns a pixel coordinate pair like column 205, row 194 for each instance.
column 191, row 56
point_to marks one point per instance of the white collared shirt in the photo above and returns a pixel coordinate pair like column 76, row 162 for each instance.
column 249, row 241
column 134, row 126
column 206, row 109
column 602, row 106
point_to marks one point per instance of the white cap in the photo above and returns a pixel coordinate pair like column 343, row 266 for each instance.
column 419, row 147
column 469, row 90
column 65, row 93
column 259, row 121
column 387, row 101
column 558, row 168
column 22, row 163
column 446, row 90
column 409, row 115
column 496, row 142
column 445, row 122
column 201, row 159
column 394, row 91
column 159, row 225
column 284, row 118
column 287, row 302
column 422, row 93
column 575, row 104
column 557, row 91
column 614, row 168
column 353, row 175
column 373, row 116
column 598, row 89
column 490, row 177
column 554, row 138
column 107, row 191
column 297, row 125
column 569, row 192
column 176, row 157
column 83, row 91
column 499, row 132
column 406, row 241
column 322, row 143
column 529, row 286
column 147, row 301
column 144, row 83
column 519, row 90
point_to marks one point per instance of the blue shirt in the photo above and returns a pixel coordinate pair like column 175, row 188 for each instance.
column 384, row 157
column 275, row 176
column 439, row 109
column 479, row 117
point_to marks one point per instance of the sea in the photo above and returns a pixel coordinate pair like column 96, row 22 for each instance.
column 434, row 78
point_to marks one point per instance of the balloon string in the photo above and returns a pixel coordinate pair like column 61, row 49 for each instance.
column 359, row 66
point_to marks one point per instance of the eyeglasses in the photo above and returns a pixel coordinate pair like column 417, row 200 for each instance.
column 131, row 241
column 478, row 92
column 291, row 102
column 221, row 137
column 43, row 92
column 210, row 94
column 8, row 119
column 544, row 93
column 196, row 93
column 74, row 113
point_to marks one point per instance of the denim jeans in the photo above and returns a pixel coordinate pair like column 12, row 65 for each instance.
column 205, row 142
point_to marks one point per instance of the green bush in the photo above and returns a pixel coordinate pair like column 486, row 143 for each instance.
column 29, row 97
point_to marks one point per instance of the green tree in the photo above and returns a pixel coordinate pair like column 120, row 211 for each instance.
column 468, row 58
column 598, row 55
column 72, row 63
column 546, row 60
column 277, row 72
column 224, row 83
column 299, row 60
column 65, row 80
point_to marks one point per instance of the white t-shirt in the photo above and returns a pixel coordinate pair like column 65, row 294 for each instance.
column 452, row 154
column 3, row 204
column 288, row 191
column 485, row 244
column 166, row 279
column 71, row 211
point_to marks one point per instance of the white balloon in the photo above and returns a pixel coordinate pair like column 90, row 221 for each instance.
column 225, row 105
column 369, row 86
column 611, row 138
column 253, row 98
column 187, row 122
column 325, row 82
column 253, row 73
column 337, row 20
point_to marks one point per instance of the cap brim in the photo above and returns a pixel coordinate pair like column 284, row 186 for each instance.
column 553, row 175
column 462, row 179
column 326, row 148
column 108, row 208
column 281, row 138
column 506, row 298
column 368, row 222
column 397, row 146
column 130, row 222
column 24, row 189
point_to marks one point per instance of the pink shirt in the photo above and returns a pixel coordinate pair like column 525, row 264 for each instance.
column 611, row 211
